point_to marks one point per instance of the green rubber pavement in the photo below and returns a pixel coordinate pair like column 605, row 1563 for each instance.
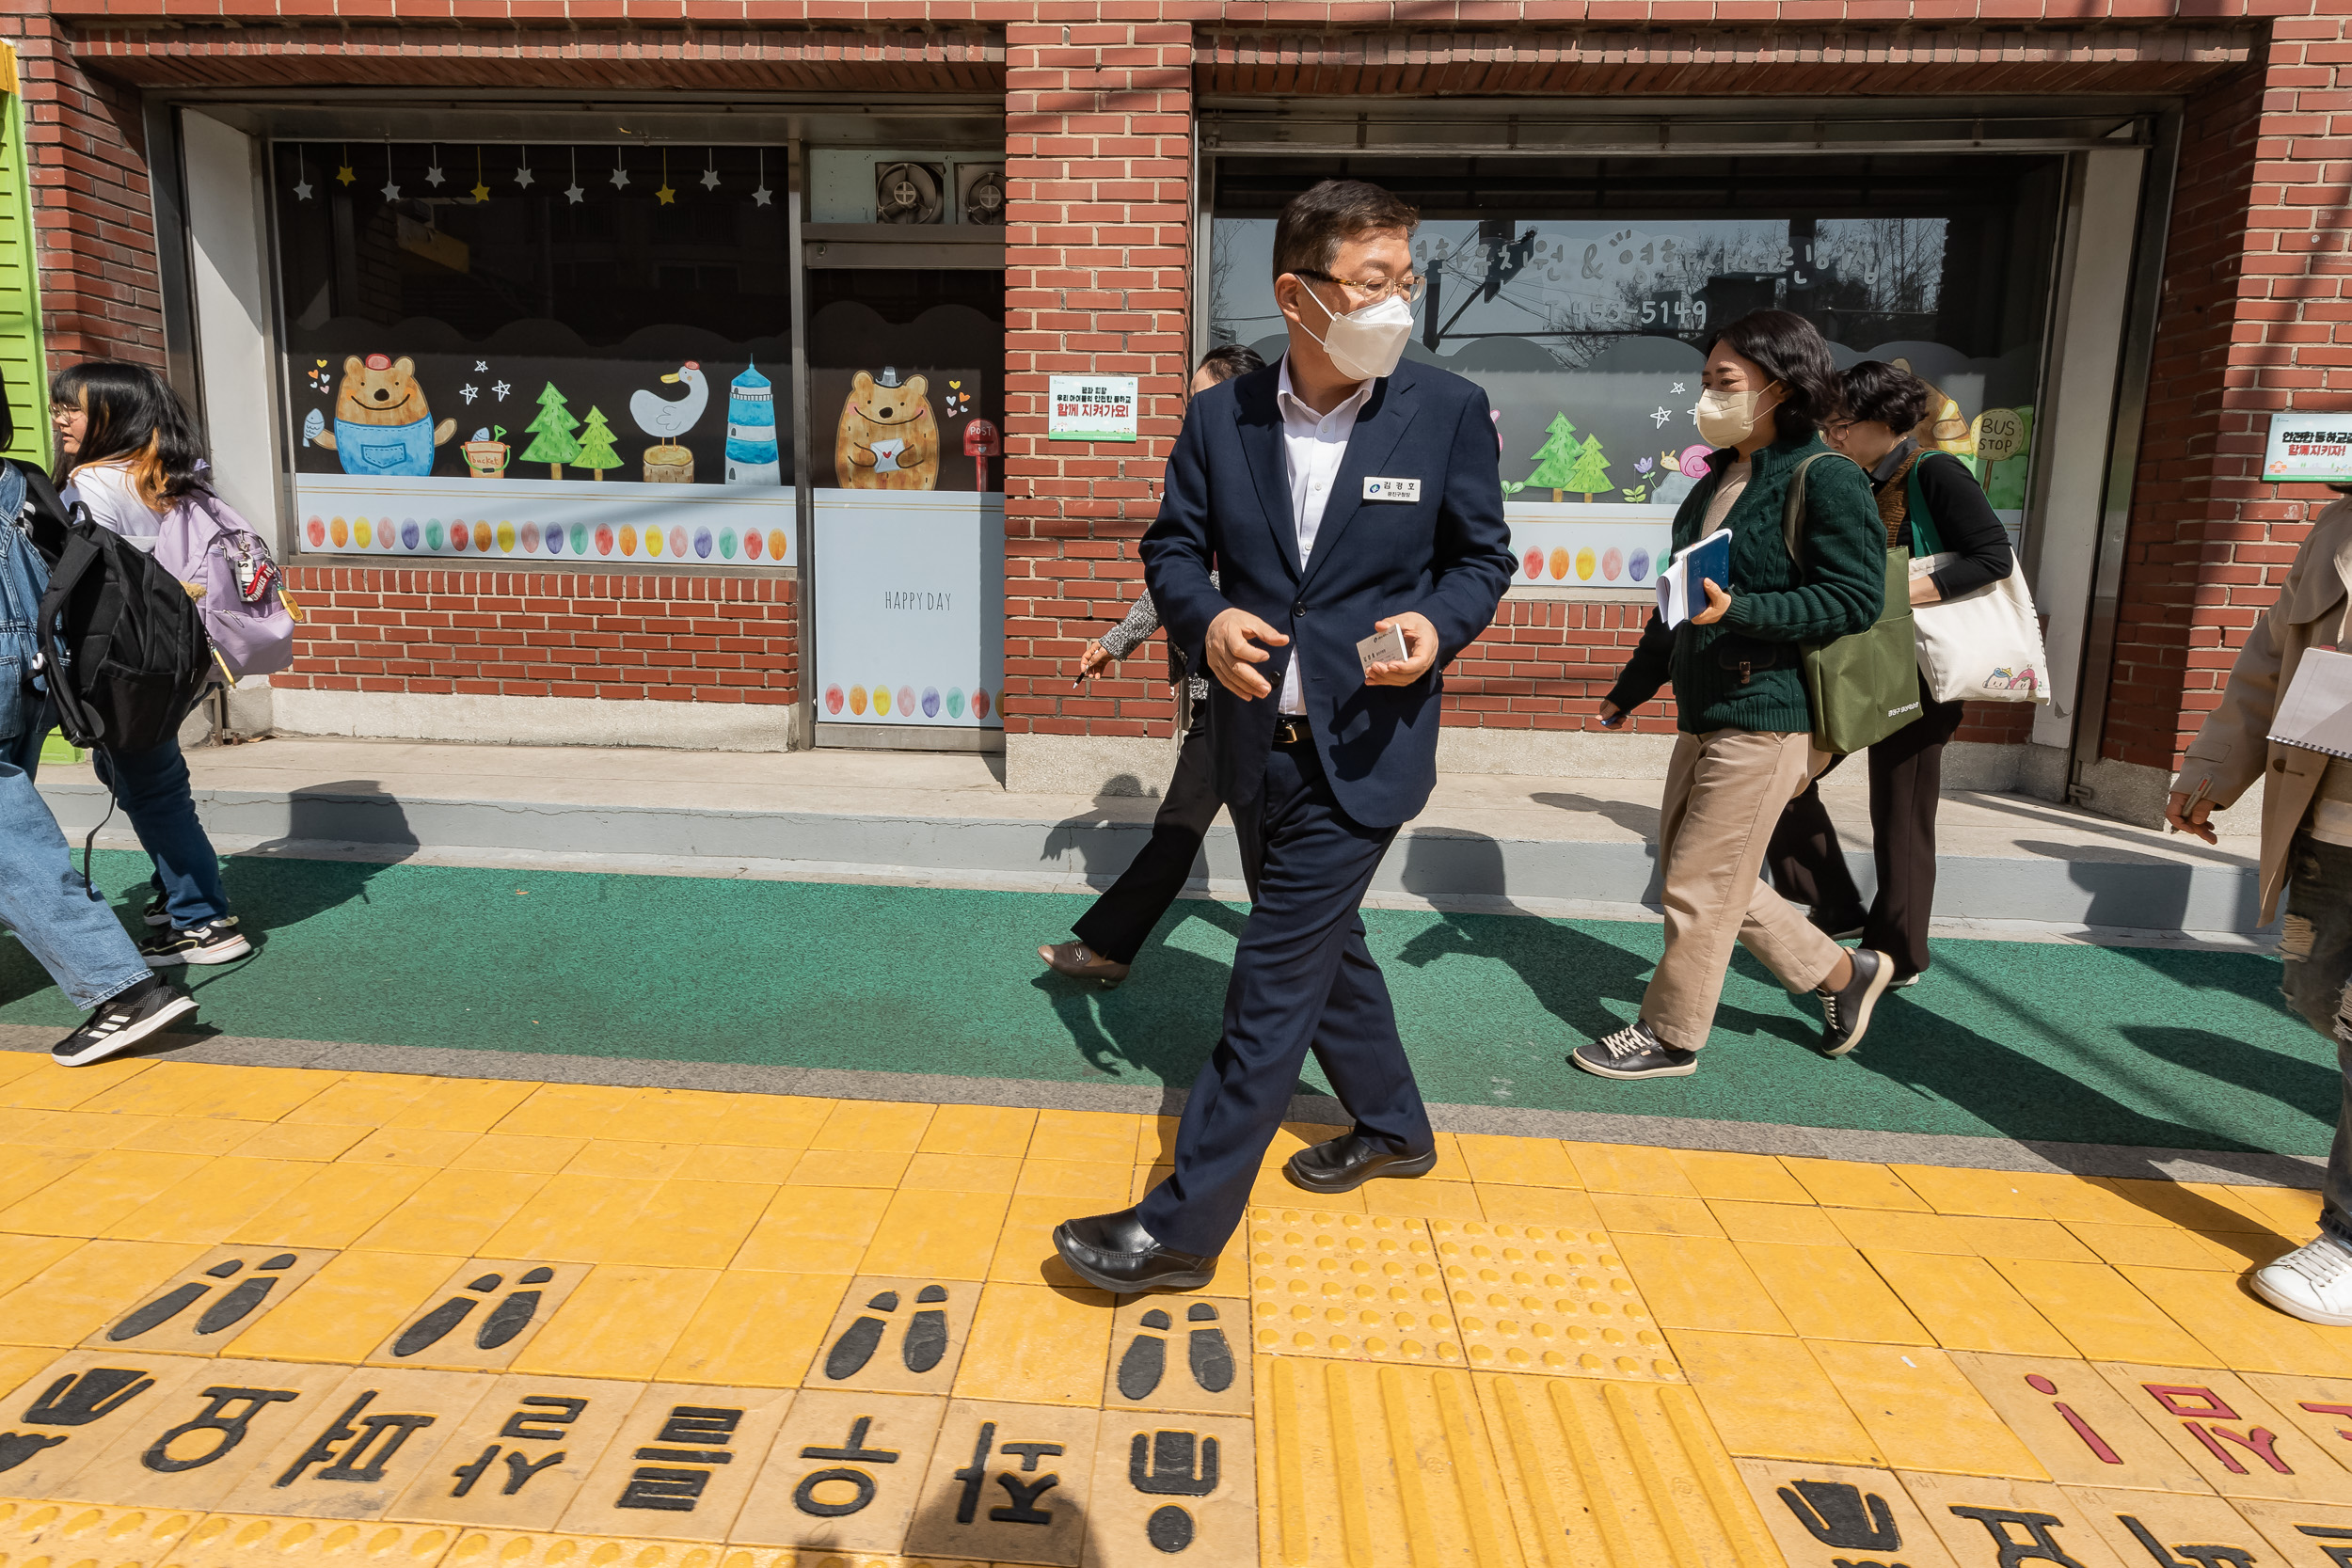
column 2176, row 1049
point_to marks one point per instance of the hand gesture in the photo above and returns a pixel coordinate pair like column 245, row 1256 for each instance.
column 1232, row 656
column 1095, row 656
column 1420, row 650
column 1717, row 605
column 2183, row 817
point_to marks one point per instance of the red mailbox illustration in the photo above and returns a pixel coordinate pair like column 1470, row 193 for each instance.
column 980, row 443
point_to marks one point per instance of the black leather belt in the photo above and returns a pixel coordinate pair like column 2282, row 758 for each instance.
column 1290, row 730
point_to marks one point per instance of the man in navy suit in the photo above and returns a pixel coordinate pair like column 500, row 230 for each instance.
column 1339, row 495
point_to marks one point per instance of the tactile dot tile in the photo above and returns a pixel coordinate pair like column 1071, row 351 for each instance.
column 234, row 1541
column 1363, row 1286
column 74, row 1532
column 1540, row 1298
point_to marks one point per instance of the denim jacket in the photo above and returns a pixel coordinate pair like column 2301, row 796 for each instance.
column 23, row 578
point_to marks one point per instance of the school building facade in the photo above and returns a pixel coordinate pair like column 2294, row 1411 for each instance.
column 765, row 374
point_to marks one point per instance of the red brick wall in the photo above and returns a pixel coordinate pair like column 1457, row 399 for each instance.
column 667, row 637
column 92, row 215
column 1099, row 175
column 2255, row 319
column 1098, row 107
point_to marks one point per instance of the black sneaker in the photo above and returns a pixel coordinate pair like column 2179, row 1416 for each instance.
column 1634, row 1051
column 155, row 913
column 1845, row 1014
column 122, row 1020
column 215, row 942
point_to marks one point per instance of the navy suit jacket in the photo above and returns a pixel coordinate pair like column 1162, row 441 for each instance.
column 1447, row 554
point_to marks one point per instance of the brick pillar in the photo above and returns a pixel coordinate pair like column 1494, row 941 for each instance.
column 2255, row 318
column 93, row 220
column 1098, row 172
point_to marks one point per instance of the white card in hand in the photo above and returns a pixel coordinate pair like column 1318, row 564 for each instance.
column 1382, row 647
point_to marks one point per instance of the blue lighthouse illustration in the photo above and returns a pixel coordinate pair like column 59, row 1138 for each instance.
column 752, row 457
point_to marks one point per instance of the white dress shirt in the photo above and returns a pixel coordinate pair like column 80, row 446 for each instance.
column 1312, row 445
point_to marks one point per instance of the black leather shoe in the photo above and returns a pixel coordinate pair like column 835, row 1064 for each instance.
column 1845, row 1014
column 1349, row 1161
column 1113, row 1251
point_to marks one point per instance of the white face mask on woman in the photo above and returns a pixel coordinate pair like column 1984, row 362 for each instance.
column 1366, row 345
column 1727, row 419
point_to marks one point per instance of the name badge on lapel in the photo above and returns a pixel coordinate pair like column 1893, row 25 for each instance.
column 1391, row 489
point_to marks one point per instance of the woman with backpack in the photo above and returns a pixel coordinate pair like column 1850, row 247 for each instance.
column 64, row 924
column 1929, row 501
column 1745, row 748
column 130, row 456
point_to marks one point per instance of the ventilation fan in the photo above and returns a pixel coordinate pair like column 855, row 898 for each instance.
column 983, row 194
column 907, row 193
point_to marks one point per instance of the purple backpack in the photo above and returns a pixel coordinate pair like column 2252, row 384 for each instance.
column 203, row 543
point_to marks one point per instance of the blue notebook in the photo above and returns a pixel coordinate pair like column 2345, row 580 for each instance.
column 1680, row 586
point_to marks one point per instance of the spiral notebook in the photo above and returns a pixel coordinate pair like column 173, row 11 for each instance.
column 2316, row 712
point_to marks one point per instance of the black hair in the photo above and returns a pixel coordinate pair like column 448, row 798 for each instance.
column 1788, row 348
column 1308, row 236
column 137, row 420
column 1228, row 360
column 1885, row 394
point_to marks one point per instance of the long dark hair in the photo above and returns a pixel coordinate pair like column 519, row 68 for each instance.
column 1786, row 348
column 137, row 420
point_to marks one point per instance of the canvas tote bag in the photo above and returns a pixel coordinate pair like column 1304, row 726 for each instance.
column 1986, row 644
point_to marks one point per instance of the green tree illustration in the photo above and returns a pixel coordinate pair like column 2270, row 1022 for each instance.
column 1554, row 458
column 1590, row 477
column 595, row 444
column 551, row 432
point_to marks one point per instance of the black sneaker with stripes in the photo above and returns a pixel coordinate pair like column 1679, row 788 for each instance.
column 215, row 941
column 122, row 1020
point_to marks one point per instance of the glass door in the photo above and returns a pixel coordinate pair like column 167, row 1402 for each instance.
column 905, row 425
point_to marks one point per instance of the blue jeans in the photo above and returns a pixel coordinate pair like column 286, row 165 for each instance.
column 2315, row 948
column 152, row 786
column 69, row 928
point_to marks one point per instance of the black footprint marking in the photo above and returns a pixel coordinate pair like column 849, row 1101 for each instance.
column 513, row 1315
column 1212, row 1358
column 927, row 1336
column 858, row 1343
column 1146, row 1361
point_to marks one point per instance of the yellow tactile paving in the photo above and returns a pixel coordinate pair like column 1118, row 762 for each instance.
column 1536, row 1298
column 490, row 1324
column 1349, row 1285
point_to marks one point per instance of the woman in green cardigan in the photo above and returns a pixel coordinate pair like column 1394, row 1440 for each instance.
column 1745, row 748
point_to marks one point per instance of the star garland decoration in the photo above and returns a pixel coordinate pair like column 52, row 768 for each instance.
column 434, row 176
column 481, row 187
column 523, row 175
column 665, row 196
column 760, row 197
column 302, row 175
column 344, row 172
column 572, row 193
column 710, row 170
column 620, row 174
column 392, row 187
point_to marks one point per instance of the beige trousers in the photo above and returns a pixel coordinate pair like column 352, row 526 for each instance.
column 1725, row 791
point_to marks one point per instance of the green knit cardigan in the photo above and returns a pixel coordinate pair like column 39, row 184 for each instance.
column 1743, row 672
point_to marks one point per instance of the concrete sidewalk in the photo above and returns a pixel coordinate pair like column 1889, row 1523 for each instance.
column 1543, row 845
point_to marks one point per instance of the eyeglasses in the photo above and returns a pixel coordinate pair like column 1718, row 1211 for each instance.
column 1408, row 288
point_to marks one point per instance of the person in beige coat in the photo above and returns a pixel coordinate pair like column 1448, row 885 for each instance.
column 2307, row 852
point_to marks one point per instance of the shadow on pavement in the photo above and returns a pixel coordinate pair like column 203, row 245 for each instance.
column 270, row 887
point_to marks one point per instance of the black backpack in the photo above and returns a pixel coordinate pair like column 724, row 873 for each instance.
column 121, row 644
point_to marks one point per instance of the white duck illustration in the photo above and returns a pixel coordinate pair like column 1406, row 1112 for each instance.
column 664, row 420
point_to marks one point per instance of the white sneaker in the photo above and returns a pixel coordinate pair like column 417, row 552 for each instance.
column 2314, row 1282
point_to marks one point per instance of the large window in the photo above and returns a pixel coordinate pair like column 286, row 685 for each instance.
column 1581, row 295
column 551, row 352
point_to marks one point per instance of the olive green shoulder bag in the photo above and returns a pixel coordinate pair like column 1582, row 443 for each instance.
column 1863, row 687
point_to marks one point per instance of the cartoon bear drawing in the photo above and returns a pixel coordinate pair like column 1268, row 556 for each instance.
column 382, row 422
column 888, row 438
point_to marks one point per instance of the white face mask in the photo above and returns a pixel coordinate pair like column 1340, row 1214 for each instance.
column 1367, row 344
column 1727, row 419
